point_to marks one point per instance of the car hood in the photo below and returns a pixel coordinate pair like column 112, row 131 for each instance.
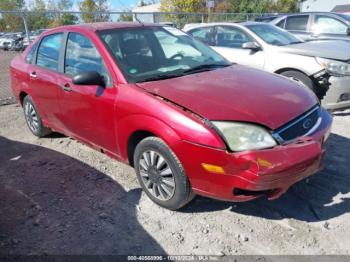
column 332, row 49
column 237, row 93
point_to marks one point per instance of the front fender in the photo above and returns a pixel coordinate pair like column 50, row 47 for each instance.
column 133, row 123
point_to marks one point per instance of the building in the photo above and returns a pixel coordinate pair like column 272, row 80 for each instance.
column 339, row 6
column 147, row 13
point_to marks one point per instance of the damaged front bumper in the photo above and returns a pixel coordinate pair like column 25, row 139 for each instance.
column 251, row 174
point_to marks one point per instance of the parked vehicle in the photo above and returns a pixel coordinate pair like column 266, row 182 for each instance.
column 317, row 25
column 32, row 37
column 7, row 40
column 189, row 123
column 322, row 66
column 266, row 18
column 18, row 45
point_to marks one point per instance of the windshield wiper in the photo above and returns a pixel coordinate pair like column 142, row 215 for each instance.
column 204, row 67
column 158, row 77
column 296, row 42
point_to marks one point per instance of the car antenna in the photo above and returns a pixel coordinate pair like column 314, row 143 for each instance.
column 138, row 20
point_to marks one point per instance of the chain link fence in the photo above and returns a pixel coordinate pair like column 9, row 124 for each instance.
column 19, row 28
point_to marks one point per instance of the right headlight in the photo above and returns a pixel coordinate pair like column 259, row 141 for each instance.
column 244, row 136
column 334, row 67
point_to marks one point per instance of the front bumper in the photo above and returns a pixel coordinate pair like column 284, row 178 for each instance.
column 248, row 175
column 338, row 87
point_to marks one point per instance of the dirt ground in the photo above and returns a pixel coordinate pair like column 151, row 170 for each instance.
column 58, row 196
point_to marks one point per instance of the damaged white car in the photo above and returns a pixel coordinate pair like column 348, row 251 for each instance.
column 322, row 65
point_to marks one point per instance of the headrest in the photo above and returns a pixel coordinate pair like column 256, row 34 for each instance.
column 130, row 47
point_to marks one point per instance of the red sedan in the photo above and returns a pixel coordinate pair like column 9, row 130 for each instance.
column 186, row 119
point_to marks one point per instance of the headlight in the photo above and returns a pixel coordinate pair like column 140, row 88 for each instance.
column 334, row 67
column 243, row 136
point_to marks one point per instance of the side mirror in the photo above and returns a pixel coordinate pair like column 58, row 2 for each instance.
column 251, row 45
column 348, row 31
column 89, row 78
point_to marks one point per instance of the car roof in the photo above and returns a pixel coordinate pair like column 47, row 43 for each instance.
column 310, row 13
column 107, row 25
column 188, row 27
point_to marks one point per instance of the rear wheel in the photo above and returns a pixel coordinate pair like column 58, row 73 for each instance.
column 161, row 174
column 33, row 118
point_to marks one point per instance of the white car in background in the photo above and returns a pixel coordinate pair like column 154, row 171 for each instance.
column 323, row 66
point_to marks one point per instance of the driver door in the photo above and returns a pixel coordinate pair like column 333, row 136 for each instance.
column 229, row 41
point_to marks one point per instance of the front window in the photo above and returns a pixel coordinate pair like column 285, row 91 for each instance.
column 154, row 53
column 330, row 25
column 273, row 35
column 81, row 55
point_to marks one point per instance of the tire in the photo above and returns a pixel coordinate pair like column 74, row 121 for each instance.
column 33, row 118
column 299, row 77
column 174, row 190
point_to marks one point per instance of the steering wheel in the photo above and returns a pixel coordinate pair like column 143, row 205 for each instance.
column 176, row 55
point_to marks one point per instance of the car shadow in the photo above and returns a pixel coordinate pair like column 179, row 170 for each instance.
column 320, row 197
column 54, row 204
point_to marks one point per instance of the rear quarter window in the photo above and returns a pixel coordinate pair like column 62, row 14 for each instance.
column 30, row 55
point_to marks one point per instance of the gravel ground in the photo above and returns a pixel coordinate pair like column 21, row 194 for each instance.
column 6, row 96
column 58, row 196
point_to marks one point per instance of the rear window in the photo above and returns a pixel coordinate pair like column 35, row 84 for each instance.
column 49, row 51
column 298, row 23
column 30, row 56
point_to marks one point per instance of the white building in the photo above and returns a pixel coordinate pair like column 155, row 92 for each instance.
column 339, row 6
column 147, row 13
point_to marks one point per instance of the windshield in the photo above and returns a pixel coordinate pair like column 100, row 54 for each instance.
column 274, row 35
column 154, row 53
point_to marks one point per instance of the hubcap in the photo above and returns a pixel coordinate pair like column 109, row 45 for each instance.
column 157, row 175
column 31, row 117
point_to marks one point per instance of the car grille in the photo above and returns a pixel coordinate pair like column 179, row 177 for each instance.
column 298, row 127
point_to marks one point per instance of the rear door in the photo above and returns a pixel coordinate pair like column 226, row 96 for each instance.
column 44, row 77
column 229, row 41
column 87, row 111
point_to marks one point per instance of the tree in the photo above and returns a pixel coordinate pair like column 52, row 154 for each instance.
column 11, row 22
column 190, row 6
column 287, row 6
column 89, row 6
column 65, row 18
column 39, row 19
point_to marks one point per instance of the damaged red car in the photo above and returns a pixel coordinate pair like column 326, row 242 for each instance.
column 185, row 118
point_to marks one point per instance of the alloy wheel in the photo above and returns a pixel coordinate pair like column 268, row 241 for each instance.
column 157, row 175
column 31, row 117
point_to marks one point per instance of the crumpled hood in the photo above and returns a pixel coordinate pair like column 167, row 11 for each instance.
column 339, row 49
column 237, row 93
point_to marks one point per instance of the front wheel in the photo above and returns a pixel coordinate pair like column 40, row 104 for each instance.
column 161, row 174
column 306, row 81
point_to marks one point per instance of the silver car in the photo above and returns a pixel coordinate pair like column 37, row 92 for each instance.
column 323, row 66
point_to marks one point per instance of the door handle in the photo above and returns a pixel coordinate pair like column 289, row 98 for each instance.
column 33, row 75
column 66, row 88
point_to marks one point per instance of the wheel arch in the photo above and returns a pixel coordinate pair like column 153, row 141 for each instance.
column 285, row 69
column 21, row 96
column 134, row 139
column 133, row 129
